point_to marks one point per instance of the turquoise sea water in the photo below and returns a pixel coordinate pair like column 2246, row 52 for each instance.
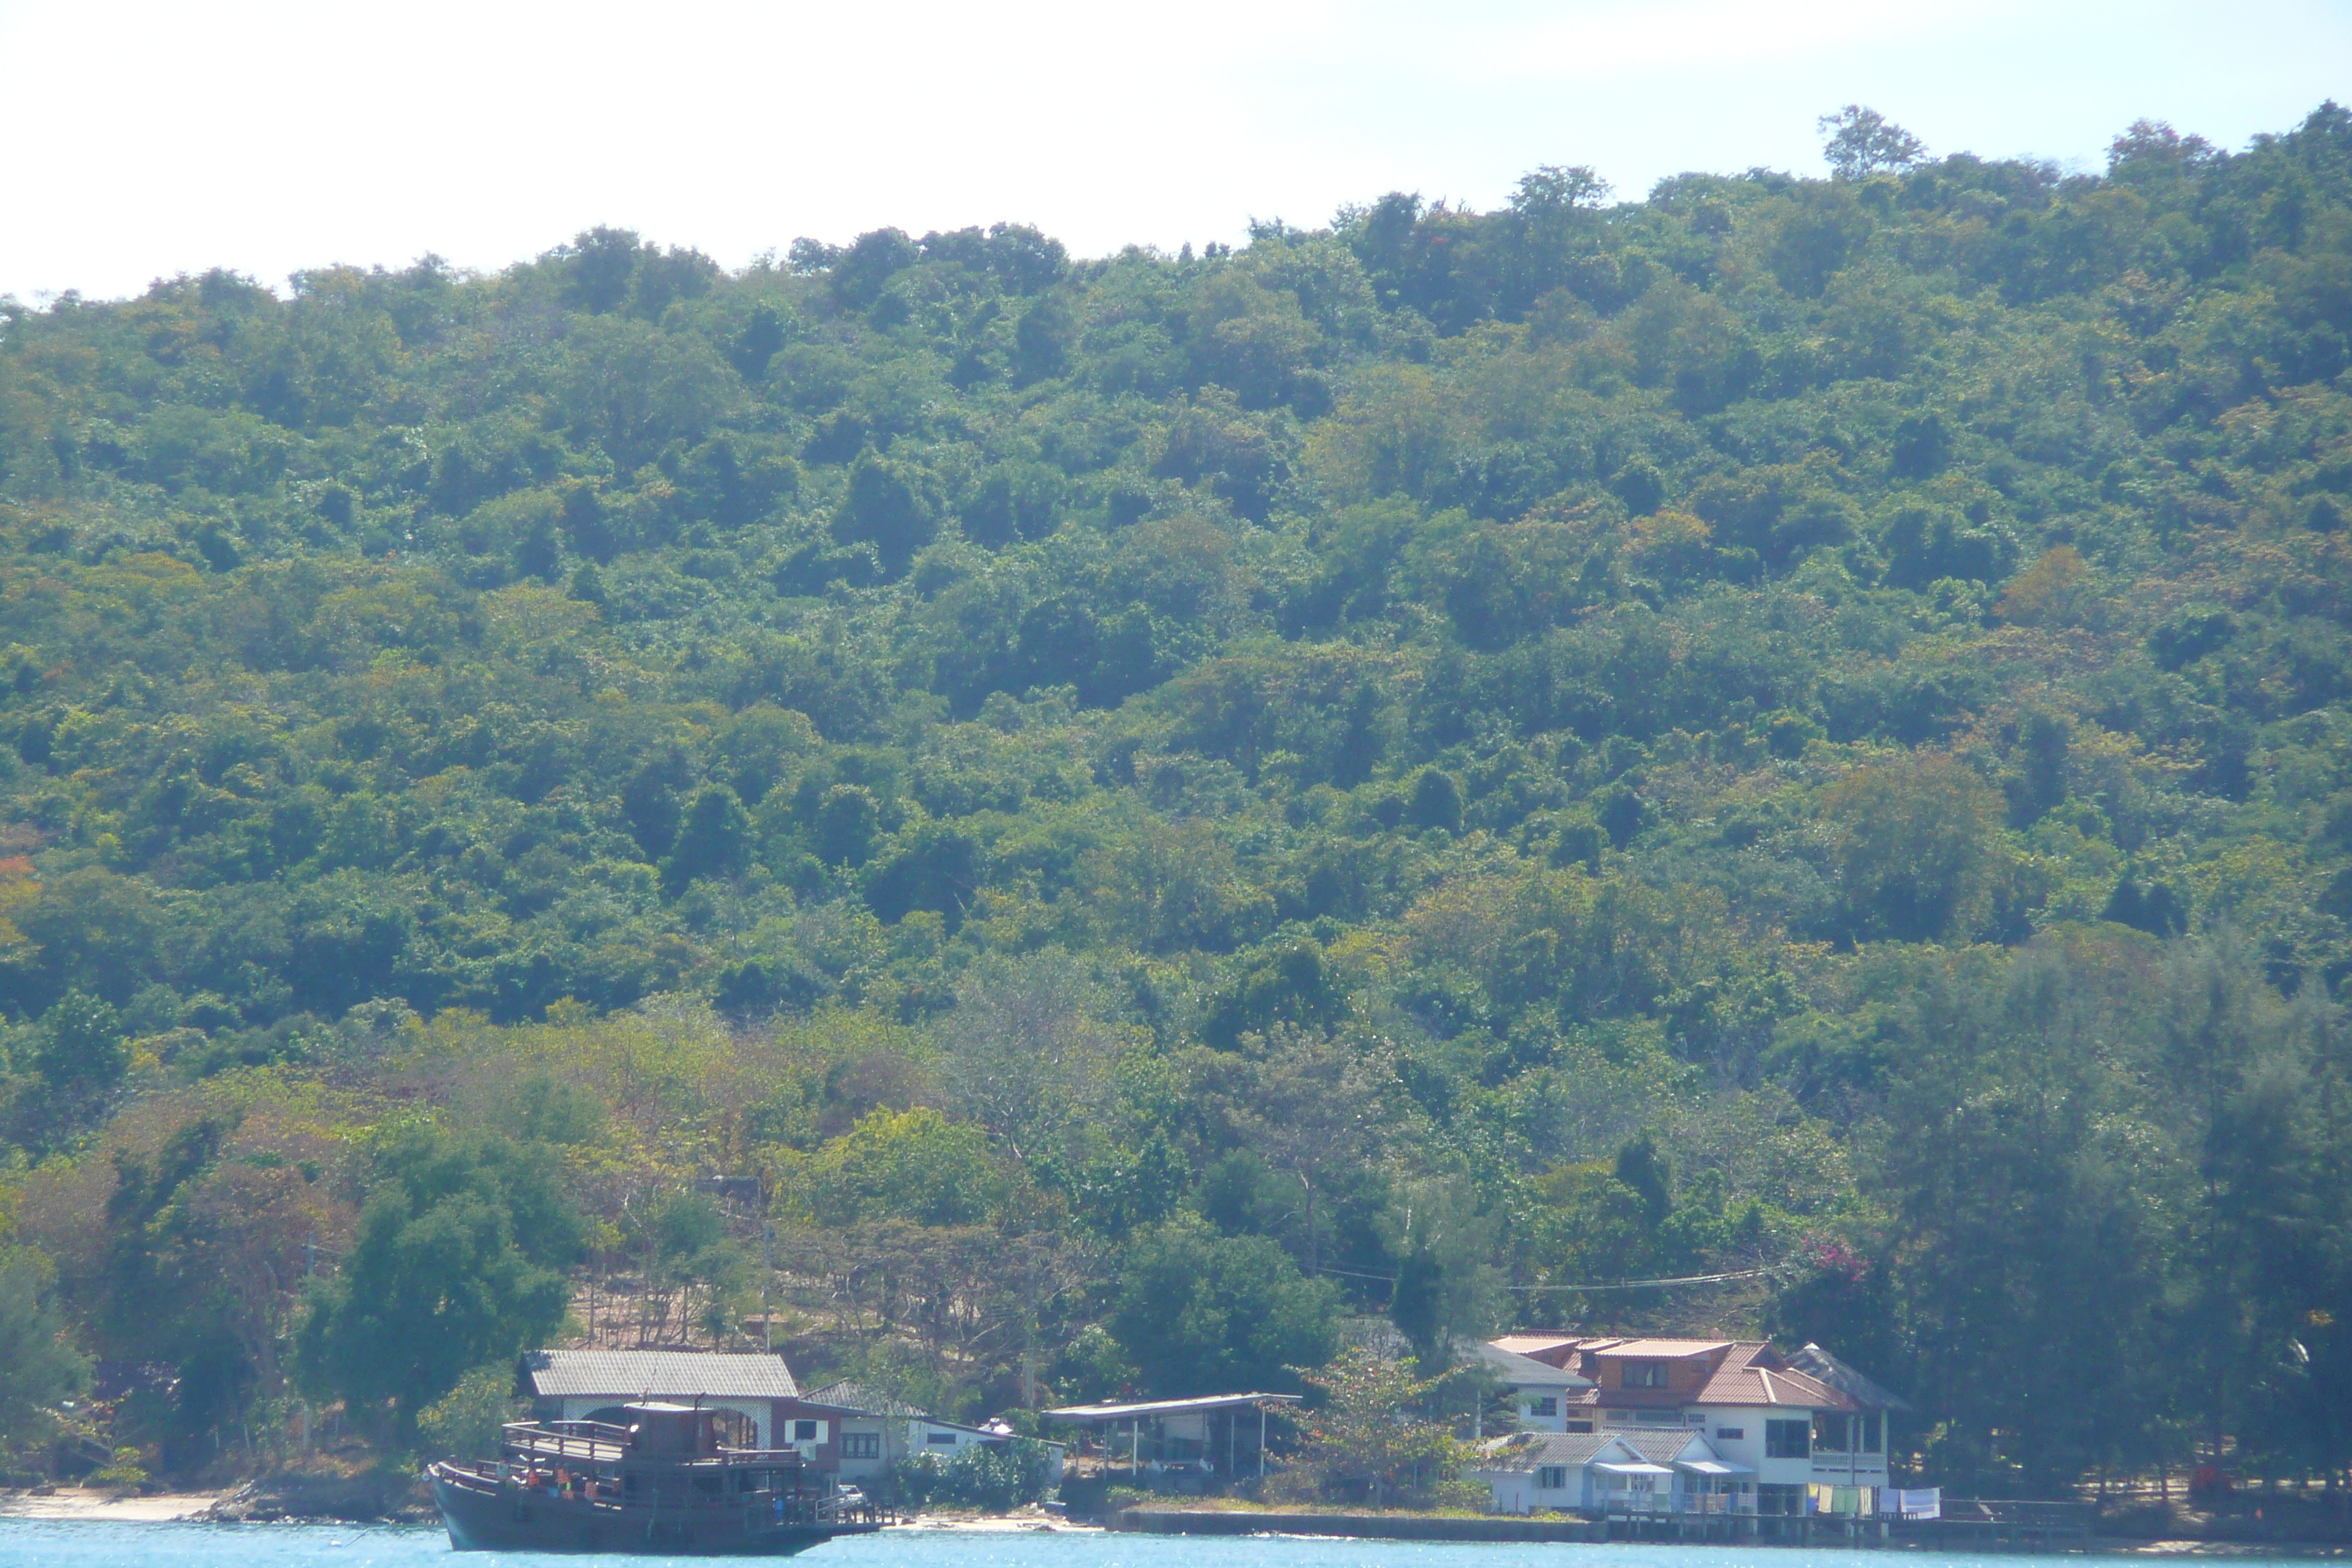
column 31, row 1543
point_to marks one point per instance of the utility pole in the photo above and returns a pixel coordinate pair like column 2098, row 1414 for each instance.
column 310, row 1270
column 767, row 1269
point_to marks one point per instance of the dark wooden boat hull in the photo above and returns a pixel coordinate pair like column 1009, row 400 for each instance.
column 517, row 1520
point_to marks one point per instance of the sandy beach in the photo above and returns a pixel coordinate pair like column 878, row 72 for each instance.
column 81, row 1503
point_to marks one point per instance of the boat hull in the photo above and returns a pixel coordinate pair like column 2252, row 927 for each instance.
column 511, row 1520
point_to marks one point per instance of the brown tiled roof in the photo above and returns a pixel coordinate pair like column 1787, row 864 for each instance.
column 1748, row 1372
column 1754, row 1373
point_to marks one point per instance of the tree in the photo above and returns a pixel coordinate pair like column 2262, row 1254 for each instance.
column 81, row 1046
column 457, row 1263
column 1863, row 142
column 847, row 821
column 887, row 505
column 1916, row 849
column 912, row 1165
column 1363, row 1438
column 1201, row 1313
column 1028, row 1055
column 39, row 1363
column 715, row 840
column 1314, row 1112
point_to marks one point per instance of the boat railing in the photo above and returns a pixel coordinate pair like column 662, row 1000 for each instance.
column 593, row 1440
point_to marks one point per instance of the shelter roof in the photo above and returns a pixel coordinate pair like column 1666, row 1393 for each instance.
column 1169, row 1406
column 1822, row 1367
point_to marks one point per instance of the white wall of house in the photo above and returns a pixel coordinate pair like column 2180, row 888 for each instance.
column 1546, row 1487
column 1542, row 1410
column 1740, row 1434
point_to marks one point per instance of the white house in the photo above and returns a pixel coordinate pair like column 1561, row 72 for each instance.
column 1807, row 1431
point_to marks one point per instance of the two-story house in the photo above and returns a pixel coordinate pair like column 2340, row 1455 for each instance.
column 1809, row 1429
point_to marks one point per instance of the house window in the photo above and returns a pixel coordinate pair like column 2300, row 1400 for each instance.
column 1551, row 1477
column 1731, row 1434
column 940, row 1439
column 1868, row 1426
column 1547, row 1405
column 1580, row 1426
column 803, row 1431
column 1830, row 1431
column 1788, row 1439
column 1645, row 1374
column 861, row 1445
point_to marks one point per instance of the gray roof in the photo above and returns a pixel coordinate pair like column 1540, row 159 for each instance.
column 848, row 1395
column 1818, row 1363
column 1659, row 1445
column 659, row 1375
column 1530, row 1449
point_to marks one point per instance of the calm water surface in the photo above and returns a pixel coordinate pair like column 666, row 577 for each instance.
column 34, row 1543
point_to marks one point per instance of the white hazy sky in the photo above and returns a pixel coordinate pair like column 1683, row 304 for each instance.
column 146, row 139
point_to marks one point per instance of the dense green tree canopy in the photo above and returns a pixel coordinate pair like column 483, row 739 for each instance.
column 1103, row 812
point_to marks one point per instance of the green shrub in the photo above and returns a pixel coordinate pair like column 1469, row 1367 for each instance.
column 990, row 1477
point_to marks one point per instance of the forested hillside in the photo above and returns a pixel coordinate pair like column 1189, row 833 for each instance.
column 1159, row 802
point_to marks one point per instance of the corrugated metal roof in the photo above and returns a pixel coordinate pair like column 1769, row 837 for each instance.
column 1664, row 1350
column 1526, row 1370
column 661, row 1375
column 1534, row 1346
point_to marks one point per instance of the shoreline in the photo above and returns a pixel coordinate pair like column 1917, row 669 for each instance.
column 87, row 1505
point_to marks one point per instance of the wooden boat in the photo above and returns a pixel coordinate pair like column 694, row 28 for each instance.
column 661, row 1484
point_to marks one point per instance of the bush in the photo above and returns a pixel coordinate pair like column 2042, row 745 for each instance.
column 464, row 1424
column 990, row 1477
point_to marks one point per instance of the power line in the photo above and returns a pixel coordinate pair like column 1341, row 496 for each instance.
column 1613, row 1284
column 1651, row 1284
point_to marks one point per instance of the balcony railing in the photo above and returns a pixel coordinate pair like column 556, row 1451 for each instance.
column 1683, row 1505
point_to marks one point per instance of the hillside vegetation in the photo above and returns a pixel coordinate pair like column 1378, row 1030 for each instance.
column 1158, row 803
